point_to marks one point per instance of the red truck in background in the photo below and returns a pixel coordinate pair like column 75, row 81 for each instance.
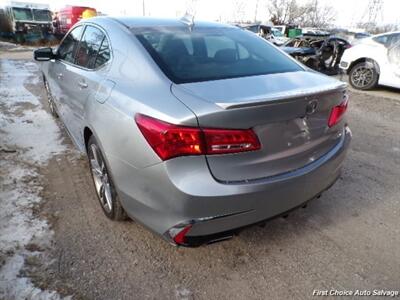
column 66, row 17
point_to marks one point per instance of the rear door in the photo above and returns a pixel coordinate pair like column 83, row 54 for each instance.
column 82, row 79
column 394, row 61
column 389, row 68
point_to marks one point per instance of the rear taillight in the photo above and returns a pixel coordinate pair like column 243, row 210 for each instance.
column 337, row 113
column 169, row 140
column 220, row 141
column 178, row 234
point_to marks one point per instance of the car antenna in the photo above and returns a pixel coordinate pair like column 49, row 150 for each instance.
column 188, row 19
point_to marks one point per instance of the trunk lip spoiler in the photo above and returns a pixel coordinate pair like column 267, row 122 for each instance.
column 287, row 95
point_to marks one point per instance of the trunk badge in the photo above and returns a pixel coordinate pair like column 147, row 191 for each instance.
column 311, row 107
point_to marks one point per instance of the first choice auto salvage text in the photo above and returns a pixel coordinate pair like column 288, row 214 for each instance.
column 333, row 292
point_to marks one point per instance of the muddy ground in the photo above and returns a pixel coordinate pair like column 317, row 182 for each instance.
column 348, row 239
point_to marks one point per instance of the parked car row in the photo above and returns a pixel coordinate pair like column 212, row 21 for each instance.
column 369, row 61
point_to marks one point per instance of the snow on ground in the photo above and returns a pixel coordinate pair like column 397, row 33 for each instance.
column 15, row 47
column 29, row 137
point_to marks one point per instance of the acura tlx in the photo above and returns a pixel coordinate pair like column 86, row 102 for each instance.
column 195, row 129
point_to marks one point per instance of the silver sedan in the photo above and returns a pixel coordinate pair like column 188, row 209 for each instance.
column 195, row 129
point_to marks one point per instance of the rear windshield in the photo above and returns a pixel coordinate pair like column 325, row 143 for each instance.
column 212, row 53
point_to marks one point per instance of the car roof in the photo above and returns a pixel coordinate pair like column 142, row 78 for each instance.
column 385, row 33
column 132, row 22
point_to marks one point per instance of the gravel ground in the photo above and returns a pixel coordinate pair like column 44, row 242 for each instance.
column 348, row 239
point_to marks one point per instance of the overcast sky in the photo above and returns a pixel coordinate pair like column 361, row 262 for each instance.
column 349, row 12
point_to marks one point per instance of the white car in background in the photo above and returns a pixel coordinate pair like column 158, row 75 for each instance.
column 374, row 60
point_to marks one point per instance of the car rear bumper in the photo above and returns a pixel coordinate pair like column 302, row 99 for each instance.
column 182, row 191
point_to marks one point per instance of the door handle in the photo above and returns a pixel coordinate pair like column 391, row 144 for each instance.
column 82, row 84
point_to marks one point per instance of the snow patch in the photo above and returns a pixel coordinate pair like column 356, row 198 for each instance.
column 29, row 127
column 30, row 137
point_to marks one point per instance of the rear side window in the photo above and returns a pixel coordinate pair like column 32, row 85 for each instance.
column 212, row 53
column 104, row 54
column 67, row 49
column 93, row 49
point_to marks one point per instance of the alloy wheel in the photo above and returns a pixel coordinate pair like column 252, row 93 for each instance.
column 100, row 177
column 362, row 76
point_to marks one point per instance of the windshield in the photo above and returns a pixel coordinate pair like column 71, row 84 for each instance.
column 212, row 53
column 41, row 15
column 22, row 13
column 276, row 32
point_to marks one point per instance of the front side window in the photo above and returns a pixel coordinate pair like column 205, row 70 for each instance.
column 393, row 39
column 22, row 14
column 212, row 53
column 388, row 40
column 93, row 50
column 68, row 48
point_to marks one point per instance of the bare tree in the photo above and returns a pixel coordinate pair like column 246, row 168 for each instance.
column 311, row 14
column 285, row 11
column 317, row 15
column 239, row 10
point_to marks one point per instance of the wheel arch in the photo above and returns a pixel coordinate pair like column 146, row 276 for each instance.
column 364, row 60
column 87, row 133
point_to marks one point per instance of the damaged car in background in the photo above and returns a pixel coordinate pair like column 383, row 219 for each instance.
column 319, row 52
column 269, row 33
column 375, row 60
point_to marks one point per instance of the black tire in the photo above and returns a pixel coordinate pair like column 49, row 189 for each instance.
column 110, row 204
column 364, row 76
column 50, row 100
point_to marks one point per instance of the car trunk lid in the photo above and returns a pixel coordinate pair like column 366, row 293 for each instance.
column 289, row 113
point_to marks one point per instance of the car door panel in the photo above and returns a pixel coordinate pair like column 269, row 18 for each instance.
column 81, row 80
column 390, row 66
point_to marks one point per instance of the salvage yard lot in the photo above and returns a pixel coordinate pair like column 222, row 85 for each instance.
column 348, row 239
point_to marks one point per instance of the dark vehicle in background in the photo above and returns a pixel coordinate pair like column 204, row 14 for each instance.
column 4, row 32
column 269, row 33
column 66, row 17
column 28, row 21
column 319, row 52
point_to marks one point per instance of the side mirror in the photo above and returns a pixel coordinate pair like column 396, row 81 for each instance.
column 43, row 54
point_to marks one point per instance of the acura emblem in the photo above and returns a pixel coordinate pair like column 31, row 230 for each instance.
column 311, row 107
